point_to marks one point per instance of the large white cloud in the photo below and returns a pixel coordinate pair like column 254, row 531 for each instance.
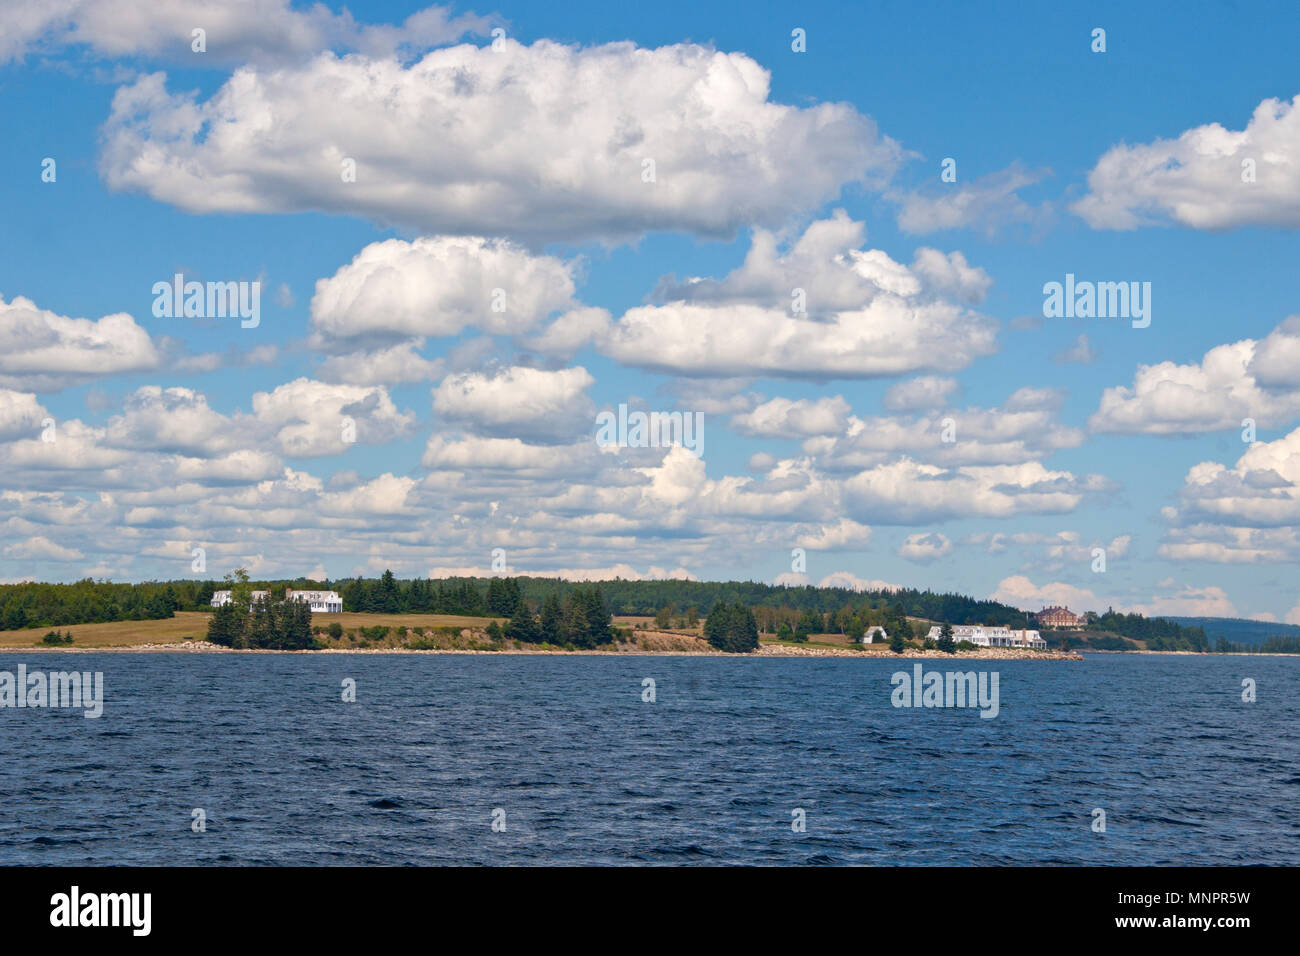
column 310, row 418
column 393, row 365
column 174, row 420
column 543, row 142
column 237, row 31
column 864, row 315
column 1247, row 379
column 1261, row 490
column 987, row 204
column 1023, row 429
column 438, row 286
column 1197, row 179
column 786, row 418
column 1248, row 513
column 519, row 402
column 1185, row 601
column 921, row 393
column 42, row 351
column 20, row 414
column 925, row 547
column 41, row 549
column 908, row 492
column 521, row 459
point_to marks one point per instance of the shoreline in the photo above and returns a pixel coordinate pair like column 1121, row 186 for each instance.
column 764, row 651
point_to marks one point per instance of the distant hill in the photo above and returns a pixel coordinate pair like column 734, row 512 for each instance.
column 1238, row 629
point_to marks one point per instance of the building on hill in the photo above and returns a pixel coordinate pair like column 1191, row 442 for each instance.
column 322, row 602
column 991, row 636
column 873, row 634
column 1058, row 617
column 220, row 598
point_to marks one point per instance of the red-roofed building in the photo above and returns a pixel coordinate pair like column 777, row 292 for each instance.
column 1058, row 617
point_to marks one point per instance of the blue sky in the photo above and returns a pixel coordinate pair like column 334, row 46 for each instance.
column 1100, row 164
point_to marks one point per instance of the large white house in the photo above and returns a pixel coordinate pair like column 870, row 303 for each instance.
column 991, row 636
column 220, row 598
column 322, row 602
column 874, row 633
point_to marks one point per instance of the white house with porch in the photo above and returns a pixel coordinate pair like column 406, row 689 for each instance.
column 991, row 636
column 322, row 602
column 220, row 598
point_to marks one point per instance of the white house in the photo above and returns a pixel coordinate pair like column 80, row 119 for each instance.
column 223, row 597
column 322, row 602
column 991, row 636
column 874, row 633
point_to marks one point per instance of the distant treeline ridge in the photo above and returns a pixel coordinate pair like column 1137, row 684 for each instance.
column 775, row 607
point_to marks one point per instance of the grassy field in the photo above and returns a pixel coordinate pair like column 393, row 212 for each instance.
column 171, row 630
column 194, row 624
column 352, row 620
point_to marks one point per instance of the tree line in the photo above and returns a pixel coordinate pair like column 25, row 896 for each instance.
column 583, row 620
column 791, row 612
column 90, row 602
column 268, row 623
column 1270, row 645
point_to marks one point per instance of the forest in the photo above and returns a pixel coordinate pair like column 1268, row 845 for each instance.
column 793, row 612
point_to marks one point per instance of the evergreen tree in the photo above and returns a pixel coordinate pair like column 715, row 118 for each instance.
column 597, row 617
column 552, row 620
column 731, row 628
column 496, row 600
column 573, row 624
column 226, row 625
column 523, row 626
column 389, row 597
column 945, row 642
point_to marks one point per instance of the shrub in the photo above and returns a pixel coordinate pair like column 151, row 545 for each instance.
column 335, row 630
column 54, row 638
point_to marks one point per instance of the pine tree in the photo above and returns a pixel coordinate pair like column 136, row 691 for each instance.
column 573, row 624
column 389, row 598
column 496, row 600
column 523, row 626
column 226, row 625
column 946, row 643
column 731, row 628
column 597, row 617
column 552, row 620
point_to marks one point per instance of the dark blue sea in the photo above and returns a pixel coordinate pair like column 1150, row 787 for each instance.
column 585, row 772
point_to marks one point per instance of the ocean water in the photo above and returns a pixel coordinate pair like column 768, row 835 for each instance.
column 585, row 772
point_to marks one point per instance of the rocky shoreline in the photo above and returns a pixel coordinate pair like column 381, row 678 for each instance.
column 764, row 650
